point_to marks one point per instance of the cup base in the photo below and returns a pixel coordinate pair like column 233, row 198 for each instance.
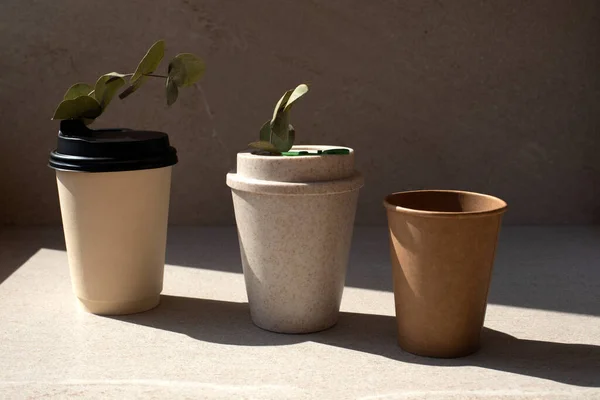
column 118, row 307
column 457, row 352
column 294, row 329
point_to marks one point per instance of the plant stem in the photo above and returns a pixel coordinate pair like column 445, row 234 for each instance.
column 152, row 75
column 156, row 76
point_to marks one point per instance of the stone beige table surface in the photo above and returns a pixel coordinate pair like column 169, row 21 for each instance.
column 542, row 336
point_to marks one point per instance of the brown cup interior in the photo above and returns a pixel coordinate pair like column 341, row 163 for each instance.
column 444, row 202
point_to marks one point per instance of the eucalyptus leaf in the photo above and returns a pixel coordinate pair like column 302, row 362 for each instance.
column 280, row 104
column 279, row 126
column 281, row 114
column 115, row 76
column 283, row 142
column 265, row 132
column 172, row 91
column 186, row 69
column 150, row 62
column 107, row 86
column 291, row 136
column 277, row 142
column 300, row 91
column 278, row 135
column 266, row 146
column 82, row 107
column 78, row 89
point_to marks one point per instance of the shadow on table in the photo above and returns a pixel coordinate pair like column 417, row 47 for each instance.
column 226, row 322
column 17, row 245
column 536, row 267
column 545, row 268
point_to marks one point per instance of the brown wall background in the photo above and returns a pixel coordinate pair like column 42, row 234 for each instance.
column 501, row 97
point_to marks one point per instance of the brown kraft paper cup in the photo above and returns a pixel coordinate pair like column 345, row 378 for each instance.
column 442, row 246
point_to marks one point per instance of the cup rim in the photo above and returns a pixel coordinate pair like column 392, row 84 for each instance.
column 500, row 209
column 296, row 147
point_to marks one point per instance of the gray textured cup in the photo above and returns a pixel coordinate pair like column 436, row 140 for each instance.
column 295, row 218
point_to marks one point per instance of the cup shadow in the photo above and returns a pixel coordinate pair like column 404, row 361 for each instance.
column 225, row 322
column 18, row 244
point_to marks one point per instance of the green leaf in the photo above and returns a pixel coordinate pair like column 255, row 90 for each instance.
column 186, row 69
column 284, row 141
column 172, row 91
column 106, row 87
column 78, row 89
column 291, row 137
column 266, row 146
column 279, row 126
column 281, row 118
column 280, row 142
column 150, row 62
column 278, row 133
column 81, row 107
column 148, row 65
column 115, row 76
column 265, row 132
column 300, row 91
column 280, row 104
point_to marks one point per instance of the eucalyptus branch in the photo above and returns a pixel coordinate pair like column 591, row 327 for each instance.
column 277, row 135
column 152, row 75
column 86, row 102
column 157, row 76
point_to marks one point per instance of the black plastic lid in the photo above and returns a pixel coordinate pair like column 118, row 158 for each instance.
column 110, row 150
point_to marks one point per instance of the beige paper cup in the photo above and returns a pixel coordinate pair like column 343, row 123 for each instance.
column 114, row 188
column 442, row 246
column 115, row 226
